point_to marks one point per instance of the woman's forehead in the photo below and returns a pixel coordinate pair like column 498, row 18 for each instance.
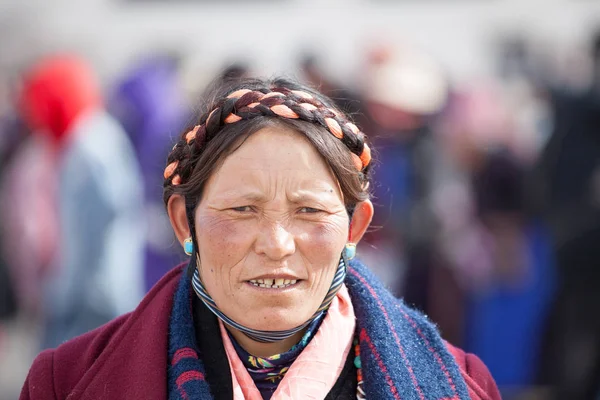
column 295, row 192
column 274, row 158
column 277, row 144
column 262, row 184
column 276, row 150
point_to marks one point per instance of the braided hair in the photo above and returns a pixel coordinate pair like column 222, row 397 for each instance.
column 239, row 109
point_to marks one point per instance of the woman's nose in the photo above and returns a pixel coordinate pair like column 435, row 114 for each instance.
column 276, row 242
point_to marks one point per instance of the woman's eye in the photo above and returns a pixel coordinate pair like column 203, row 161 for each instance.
column 242, row 209
column 309, row 210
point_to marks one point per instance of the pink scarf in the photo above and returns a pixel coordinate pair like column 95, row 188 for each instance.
column 316, row 369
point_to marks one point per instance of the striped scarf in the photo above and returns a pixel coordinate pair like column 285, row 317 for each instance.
column 401, row 353
column 270, row 336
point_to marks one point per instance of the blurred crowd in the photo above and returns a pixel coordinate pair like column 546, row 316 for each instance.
column 487, row 197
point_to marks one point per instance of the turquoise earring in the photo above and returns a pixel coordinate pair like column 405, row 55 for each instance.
column 350, row 250
column 188, row 246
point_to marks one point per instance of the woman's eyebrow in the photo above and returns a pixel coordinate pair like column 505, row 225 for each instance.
column 237, row 195
column 301, row 196
column 298, row 196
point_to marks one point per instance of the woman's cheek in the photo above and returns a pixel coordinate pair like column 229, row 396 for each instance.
column 324, row 240
column 321, row 246
column 224, row 238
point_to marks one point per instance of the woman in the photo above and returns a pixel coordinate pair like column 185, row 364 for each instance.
column 268, row 194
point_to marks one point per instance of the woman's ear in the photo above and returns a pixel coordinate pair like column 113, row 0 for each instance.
column 178, row 217
column 361, row 219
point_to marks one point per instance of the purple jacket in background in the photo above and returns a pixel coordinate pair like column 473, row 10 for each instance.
column 149, row 104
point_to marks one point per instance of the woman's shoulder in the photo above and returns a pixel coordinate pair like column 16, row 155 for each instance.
column 54, row 372
column 398, row 326
column 477, row 376
column 479, row 380
column 123, row 350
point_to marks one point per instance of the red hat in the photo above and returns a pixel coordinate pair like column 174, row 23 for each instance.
column 56, row 92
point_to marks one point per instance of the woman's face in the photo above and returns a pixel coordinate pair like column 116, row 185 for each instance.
column 271, row 226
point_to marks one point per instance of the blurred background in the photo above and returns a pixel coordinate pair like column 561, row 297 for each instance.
column 484, row 117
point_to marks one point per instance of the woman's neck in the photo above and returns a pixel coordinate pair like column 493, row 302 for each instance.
column 265, row 349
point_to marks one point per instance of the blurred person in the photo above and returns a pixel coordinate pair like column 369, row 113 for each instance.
column 98, row 269
column 28, row 232
column 345, row 97
column 29, row 215
column 404, row 90
column 523, row 69
column 498, row 253
column 11, row 140
column 468, row 125
column 269, row 196
column 475, row 125
column 150, row 106
column 567, row 182
column 507, row 309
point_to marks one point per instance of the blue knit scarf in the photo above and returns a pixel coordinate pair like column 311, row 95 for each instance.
column 401, row 352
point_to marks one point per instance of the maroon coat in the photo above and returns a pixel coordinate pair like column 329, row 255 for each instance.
column 127, row 358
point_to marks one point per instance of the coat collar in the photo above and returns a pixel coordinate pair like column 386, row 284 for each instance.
column 401, row 351
column 127, row 366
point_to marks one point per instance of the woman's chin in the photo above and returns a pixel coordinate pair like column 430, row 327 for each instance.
column 272, row 320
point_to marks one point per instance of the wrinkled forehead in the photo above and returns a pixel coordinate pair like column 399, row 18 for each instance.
column 274, row 158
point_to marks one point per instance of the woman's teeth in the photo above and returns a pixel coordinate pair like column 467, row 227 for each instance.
column 273, row 283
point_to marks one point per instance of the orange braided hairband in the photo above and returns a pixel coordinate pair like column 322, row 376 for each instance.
column 280, row 102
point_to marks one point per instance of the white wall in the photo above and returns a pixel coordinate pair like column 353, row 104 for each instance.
column 456, row 32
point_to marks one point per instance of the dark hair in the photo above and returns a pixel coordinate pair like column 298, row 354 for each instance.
column 203, row 148
column 499, row 185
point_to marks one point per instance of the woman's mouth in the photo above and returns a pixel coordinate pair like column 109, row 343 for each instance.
column 273, row 283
